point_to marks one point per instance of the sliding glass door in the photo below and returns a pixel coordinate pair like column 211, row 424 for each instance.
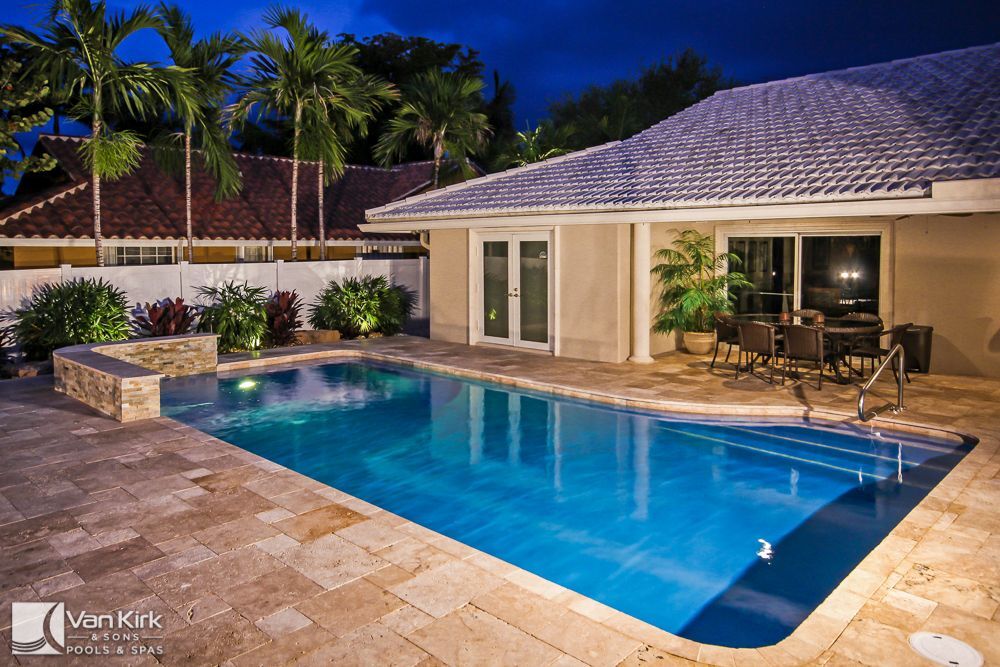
column 833, row 273
column 514, row 289
column 769, row 263
column 840, row 274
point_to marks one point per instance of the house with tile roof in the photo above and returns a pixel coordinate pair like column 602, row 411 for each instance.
column 49, row 221
column 872, row 189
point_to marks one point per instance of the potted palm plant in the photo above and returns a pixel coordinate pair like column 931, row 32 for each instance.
column 695, row 285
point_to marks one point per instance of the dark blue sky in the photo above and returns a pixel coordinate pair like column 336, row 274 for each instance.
column 548, row 48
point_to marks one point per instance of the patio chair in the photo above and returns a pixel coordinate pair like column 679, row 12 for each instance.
column 757, row 340
column 806, row 313
column 850, row 343
column 863, row 317
column 874, row 351
column 727, row 333
column 804, row 343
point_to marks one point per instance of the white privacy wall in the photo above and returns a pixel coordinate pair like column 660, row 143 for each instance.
column 150, row 283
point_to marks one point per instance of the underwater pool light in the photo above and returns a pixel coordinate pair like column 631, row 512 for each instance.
column 247, row 384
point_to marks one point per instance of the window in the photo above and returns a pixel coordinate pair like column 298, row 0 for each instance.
column 769, row 263
column 836, row 274
column 840, row 274
column 136, row 255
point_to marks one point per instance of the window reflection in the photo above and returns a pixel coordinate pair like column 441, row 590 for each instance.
column 837, row 274
column 840, row 274
column 769, row 263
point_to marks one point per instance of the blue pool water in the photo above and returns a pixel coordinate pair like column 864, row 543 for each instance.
column 664, row 518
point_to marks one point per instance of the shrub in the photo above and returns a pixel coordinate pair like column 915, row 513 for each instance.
column 282, row 318
column 362, row 306
column 238, row 313
column 167, row 317
column 70, row 313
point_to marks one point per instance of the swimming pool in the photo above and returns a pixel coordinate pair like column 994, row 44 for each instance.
column 726, row 532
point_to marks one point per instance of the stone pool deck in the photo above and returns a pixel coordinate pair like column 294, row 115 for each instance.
column 253, row 564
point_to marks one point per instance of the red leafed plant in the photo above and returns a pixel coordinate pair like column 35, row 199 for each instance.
column 167, row 317
column 283, row 318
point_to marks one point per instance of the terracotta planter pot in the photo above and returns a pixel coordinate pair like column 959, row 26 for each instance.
column 699, row 343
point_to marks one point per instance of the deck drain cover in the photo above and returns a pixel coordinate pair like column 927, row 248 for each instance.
column 945, row 650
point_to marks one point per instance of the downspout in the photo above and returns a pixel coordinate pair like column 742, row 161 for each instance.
column 425, row 240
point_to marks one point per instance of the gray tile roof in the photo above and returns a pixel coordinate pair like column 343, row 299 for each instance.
column 874, row 132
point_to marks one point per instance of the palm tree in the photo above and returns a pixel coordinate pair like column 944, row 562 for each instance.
column 535, row 145
column 210, row 61
column 313, row 82
column 439, row 112
column 78, row 55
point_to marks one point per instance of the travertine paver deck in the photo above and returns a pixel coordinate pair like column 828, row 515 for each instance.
column 253, row 564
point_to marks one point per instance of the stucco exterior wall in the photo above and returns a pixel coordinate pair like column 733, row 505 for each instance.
column 34, row 257
column 213, row 254
column 449, row 281
column 593, row 280
column 947, row 272
column 37, row 257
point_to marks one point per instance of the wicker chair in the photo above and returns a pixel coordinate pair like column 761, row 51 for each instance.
column 875, row 352
column 806, row 313
column 804, row 343
column 868, row 341
column 725, row 332
column 757, row 340
column 863, row 317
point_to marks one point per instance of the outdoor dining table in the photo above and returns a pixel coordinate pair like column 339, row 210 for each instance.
column 840, row 331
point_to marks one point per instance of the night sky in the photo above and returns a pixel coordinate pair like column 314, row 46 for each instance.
column 549, row 48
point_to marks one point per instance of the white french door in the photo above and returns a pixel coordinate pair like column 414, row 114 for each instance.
column 513, row 289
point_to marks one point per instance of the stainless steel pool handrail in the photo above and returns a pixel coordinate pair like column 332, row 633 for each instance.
column 896, row 407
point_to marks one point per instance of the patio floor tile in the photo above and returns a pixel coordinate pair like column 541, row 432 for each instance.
column 316, row 523
column 470, row 636
column 270, row 593
column 445, row 588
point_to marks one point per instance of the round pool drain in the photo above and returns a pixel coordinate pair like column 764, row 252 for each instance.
column 945, row 650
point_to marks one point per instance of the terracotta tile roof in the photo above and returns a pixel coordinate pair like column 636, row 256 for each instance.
column 150, row 205
column 876, row 132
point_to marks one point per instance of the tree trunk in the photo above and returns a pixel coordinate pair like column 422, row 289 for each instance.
column 98, row 241
column 187, row 195
column 295, row 183
column 438, row 154
column 322, row 230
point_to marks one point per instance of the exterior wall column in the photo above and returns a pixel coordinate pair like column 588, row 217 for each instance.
column 641, row 291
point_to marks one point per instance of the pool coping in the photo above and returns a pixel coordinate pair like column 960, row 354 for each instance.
column 884, row 565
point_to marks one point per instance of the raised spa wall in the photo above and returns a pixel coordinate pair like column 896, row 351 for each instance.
column 122, row 379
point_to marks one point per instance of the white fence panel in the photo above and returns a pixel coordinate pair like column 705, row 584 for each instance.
column 142, row 284
column 215, row 275
column 149, row 283
column 16, row 289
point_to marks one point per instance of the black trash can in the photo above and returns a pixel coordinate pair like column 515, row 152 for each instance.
column 917, row 346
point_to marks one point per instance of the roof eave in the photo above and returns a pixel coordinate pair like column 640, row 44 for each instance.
column 914, row 205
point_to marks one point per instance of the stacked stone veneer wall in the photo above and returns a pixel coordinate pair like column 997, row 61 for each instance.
column 122, row 380
column 171, row 355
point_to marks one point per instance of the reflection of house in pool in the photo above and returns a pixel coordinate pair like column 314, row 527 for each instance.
column 872, row 189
